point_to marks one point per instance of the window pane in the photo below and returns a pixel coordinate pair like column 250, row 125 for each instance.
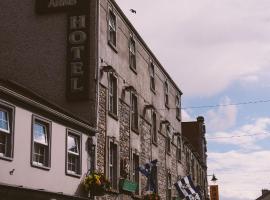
column 3, row 144
column 4, row 120
column 73, row 145
column 40, row 133
column 73, row 163
column 39, row 154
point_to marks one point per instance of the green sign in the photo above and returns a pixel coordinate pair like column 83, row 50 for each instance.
column 128, row 186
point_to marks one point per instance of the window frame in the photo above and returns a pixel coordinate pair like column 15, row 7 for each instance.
column 166, row 94
column 8, row 134
column 113, row 95
column 169, row 186
column 79, row 136
column 116, row 174
column 168, row 141
column 178, row 106
column 132, row 55
column 111, row 29
column 179, row 149
column 46, row 147
column 152, row 77
column 154, row 129
column 135, row 172
column 134, row 112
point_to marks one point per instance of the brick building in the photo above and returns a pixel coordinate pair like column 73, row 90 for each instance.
column 77, row 77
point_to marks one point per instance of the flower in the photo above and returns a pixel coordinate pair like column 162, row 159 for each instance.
column 96, row 183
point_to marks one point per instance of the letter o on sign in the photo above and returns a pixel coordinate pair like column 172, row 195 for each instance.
column 77, row 37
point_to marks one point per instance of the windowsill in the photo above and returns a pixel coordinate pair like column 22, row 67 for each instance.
column 135, row 130
column 133, row 69
column 68, row 173
column 114, row 116
column 112, row 46
column 153, row 90
column 154, row 143
column 40, row 166
column 112, row 191
column 6, row 158
column 136, row 196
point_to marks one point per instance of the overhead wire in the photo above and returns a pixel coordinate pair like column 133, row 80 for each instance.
column 237, row 136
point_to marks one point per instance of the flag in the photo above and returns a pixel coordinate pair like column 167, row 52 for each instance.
column 147, row 170
column 186, row 188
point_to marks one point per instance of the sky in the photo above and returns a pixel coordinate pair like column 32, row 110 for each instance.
column 218, row 53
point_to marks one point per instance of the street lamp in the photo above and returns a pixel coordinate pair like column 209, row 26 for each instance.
column 214, row 178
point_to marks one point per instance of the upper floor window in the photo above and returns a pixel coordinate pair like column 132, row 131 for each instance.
column 178, row 152
column 168, row 140
column 113, row 94
column 166, row 93
column 135, row 173
column 113, row 160
column 112, row 28
column 154, row 127
column 41, row 142
column 73, row 165
column 152, row 77
column 132, row 54
column 169, row 186
column 178, row 107
column 6, row 131
column 134, row 112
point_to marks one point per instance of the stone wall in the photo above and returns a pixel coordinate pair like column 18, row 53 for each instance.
column 101, row 138
column 162, row 171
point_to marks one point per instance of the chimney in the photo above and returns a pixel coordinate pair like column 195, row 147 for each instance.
column 200, row 119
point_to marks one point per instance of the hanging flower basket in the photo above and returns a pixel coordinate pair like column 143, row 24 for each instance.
column 96, row 183
column 152, row 196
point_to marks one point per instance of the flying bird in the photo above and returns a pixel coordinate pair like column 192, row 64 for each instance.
column 133, row 11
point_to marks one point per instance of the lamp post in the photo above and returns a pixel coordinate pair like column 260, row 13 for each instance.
column 214, row 195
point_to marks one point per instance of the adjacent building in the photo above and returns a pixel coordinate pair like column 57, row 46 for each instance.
column 265, row 195
column 80, row 91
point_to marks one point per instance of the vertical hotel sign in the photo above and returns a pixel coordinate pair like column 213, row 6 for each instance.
column 214, row 192
column 77, row 77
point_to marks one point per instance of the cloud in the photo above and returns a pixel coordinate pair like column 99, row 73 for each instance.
column 221, row 41
column 250, row 135
column 223, row 117
column 186, row 116
column 240, row 173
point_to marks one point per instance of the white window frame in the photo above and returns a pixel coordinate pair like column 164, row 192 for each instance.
column 45, row 147
column 8, row 134
column 77, row 155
